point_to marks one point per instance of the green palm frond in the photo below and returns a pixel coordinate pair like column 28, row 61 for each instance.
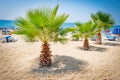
column 43, row 23
column 37, row 17
column 103, row 20
column 86, row 30
column 26, row 28
column 94, row 17
column 76, row 35
column 57, row 22
column 54, row 13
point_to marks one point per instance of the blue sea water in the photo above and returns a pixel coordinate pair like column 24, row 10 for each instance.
column 10, row 24
column 66, row 25
column 7, row 24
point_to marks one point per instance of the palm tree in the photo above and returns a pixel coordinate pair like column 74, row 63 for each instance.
column 43, row 24
column 85, row 31
column 104, row 21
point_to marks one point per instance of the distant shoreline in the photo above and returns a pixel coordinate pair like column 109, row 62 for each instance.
column 9, row 24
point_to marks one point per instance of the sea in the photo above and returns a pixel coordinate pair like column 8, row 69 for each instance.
column 7, row 24
column 10, row 24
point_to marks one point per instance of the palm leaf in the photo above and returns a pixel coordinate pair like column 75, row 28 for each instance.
column 42, row 23
column 85, row 30
column 103, row 20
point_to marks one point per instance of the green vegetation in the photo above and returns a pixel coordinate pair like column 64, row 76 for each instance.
column 104, row 21
column 85, row 31
column 43, row 24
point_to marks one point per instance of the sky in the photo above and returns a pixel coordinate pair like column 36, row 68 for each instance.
column 78, row 10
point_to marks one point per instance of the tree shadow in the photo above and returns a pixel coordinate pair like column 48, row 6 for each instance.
column 61, row 64
column 112, row 44
column 94, row 48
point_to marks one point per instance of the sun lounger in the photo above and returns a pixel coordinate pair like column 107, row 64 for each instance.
column 111, row 38
column 6, row 32
column 8, row 39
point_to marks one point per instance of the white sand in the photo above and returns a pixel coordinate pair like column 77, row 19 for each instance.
column 20, row 61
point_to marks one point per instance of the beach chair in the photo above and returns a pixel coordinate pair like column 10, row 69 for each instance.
column 111, row 38
column 6, row 32
column 12, row 39
column 8, row 39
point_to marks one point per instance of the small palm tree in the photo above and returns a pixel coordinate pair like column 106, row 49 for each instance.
column 85, row 31
column 104, row 21
column 43, row 24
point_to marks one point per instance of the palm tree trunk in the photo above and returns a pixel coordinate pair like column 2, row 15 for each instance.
column 98, row 40
column 45, row 56
column 86, row 44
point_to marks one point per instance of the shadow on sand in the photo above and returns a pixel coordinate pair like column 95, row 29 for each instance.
column 61, row 64
column 111, row 44
column 93, row 48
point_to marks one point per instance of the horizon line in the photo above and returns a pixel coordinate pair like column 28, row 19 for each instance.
column 65, row 22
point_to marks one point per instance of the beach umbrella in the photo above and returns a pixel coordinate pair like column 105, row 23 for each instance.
column 116, row 31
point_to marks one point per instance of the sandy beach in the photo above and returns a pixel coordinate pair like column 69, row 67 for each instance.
column 20, row 61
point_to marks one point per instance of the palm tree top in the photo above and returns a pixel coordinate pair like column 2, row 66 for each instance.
column 43, row 23
column 104, row 20
column 87, row 29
